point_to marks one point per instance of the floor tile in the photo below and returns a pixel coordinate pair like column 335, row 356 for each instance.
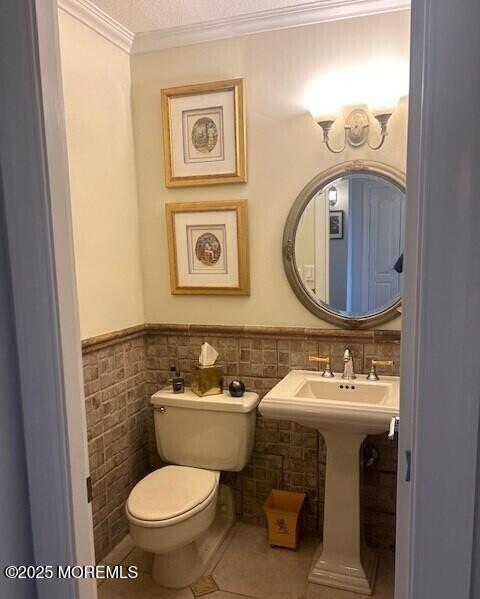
column 226, row 595
column 143, row 587
column 252, row 568
column 248, row 569
column 223, row 549
column 204, row 586
column 117, row 555
column 139, row 558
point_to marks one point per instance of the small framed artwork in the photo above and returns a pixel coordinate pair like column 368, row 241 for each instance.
column 208, row 248
column 336, row 224
column 204, row 134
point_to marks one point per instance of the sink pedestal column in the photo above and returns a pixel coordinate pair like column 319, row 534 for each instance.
column 343, row 561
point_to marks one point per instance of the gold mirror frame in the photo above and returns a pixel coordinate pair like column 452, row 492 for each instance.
column 317, row 307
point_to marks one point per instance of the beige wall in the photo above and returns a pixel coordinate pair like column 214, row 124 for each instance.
column 122, row 264
column 284, row 152
column 96, row 77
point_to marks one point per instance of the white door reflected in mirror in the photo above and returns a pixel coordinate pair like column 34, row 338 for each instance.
column 349, row 252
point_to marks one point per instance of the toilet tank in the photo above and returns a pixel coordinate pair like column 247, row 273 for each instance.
column 215, row 432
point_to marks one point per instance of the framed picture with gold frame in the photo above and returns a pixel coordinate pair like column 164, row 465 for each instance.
column 208, row 248
column 204, row 134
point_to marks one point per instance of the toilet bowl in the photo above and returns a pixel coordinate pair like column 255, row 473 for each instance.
column 172, row 507
column 170, row 514
column 181, row 513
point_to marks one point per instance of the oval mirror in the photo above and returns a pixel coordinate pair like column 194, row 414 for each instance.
column 343, row 244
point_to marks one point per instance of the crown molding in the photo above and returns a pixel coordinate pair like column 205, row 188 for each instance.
column 318, row 11
column 95, row 18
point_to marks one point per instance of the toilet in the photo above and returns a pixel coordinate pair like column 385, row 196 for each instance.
column 181, row 513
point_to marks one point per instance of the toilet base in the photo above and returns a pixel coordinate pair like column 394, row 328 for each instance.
column 182, row 567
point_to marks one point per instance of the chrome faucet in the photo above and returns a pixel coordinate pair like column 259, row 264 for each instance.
column 348, row 370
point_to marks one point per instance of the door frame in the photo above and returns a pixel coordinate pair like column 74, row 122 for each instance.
column 321, row 245
column 33, row 159
column 440, row 390
column 436, row 523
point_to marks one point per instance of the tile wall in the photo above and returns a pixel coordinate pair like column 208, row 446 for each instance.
column 122, row 370
column 117, row 414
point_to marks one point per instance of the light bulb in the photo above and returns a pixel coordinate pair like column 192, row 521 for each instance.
column 378, row 84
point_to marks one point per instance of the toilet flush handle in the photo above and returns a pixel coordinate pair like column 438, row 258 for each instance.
column 160, row 409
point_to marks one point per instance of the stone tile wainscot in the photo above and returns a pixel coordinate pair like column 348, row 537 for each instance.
column 124, row 368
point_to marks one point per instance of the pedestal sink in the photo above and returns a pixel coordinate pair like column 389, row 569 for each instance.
column 345, row 412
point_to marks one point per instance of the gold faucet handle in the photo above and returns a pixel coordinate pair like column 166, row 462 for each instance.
column 383, row 362
column 372, row 375
column 327, row 373
column 318, row 359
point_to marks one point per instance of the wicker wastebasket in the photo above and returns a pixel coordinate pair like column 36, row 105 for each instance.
column 283, row 509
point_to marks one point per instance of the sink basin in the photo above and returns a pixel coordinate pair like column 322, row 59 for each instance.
column 354, row 393
column 345, row 412
column 357, row 405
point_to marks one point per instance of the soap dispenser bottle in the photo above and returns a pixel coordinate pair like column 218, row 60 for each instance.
column 178, row 382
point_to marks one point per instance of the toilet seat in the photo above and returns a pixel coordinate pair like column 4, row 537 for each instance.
column 170, row 495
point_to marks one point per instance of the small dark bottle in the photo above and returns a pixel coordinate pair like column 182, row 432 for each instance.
column 178, row 382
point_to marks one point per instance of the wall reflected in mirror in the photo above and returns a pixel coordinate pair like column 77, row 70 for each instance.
column 349, row 244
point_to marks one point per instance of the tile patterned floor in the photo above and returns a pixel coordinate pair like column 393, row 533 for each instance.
column 248, row 569
column 206, row 585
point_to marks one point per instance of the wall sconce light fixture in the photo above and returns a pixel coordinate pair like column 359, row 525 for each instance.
column 357, row 129
column 332, row 197
column 376, row 85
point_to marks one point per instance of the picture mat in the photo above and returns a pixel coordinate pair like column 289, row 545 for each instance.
column 182, row 222
column 178, row 105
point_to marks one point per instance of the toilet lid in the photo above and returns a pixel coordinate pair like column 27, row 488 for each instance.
column 170, row 491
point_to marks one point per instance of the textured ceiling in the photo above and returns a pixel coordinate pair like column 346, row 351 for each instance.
column 149, row 15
